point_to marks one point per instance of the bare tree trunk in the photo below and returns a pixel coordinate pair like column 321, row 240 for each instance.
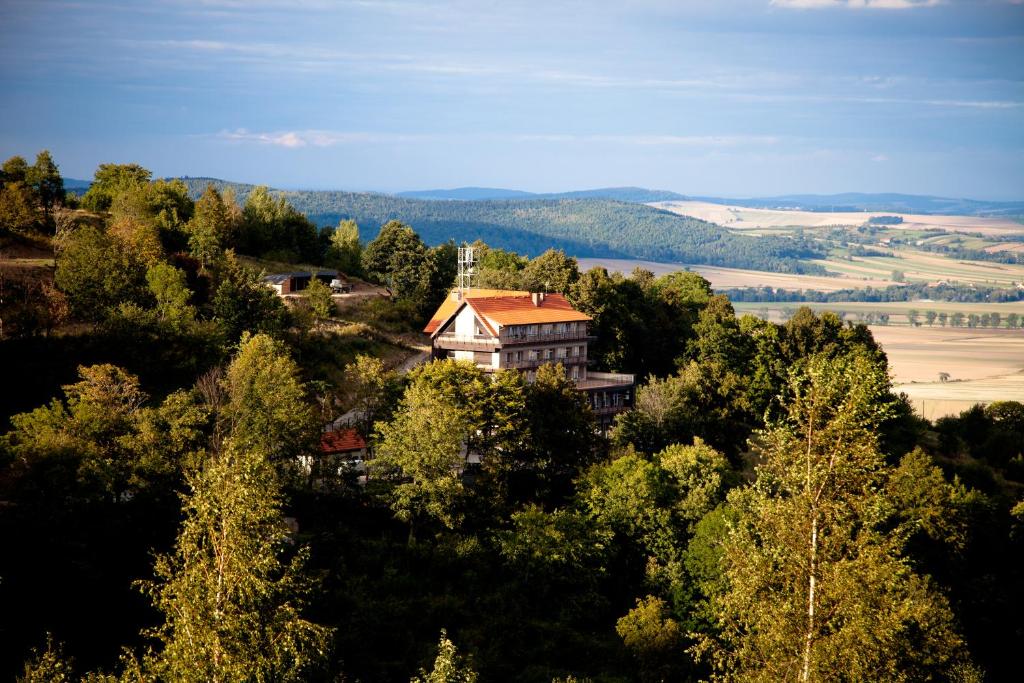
column 809, row 635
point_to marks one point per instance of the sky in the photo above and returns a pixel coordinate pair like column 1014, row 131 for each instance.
column 735, row 98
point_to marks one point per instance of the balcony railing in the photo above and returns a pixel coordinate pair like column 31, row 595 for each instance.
column 466, row 342
column 508, row 339
column 537, row 362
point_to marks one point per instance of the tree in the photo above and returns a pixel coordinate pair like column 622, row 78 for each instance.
column 448, row 666
column 45, row 179
column 1012, row 320
column 552, row 271
column 898, row 276
column 111, row 180
column 701, row 477
column 654, row 638
column 96, row 275
column 319, row 297
column 14, row 170
column 372, row 391
column 268, row 409
column 209, row 229
column 243, row 303
column 912, row 317
column 956, row 320
column 231, row 602
column 929, row 317
column 345, row 251
column 817, row 582
column 48, row 666
column 943, row 317
column 395, row 257
column 17, row 210
column 420, row 454
column 167, row 284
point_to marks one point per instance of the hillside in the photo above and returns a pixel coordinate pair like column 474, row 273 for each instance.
column 639, row 195
column 582, row 227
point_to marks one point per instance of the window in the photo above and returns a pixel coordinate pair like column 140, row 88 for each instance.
column 561, row 352
column 545, row 329
column 550, row 354
column 508, row 357
column 519, row 355
column 575, row 372
column 575, row 351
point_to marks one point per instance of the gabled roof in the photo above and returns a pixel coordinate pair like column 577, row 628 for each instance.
column 450, row 306
column 341, row 441
column 497, row 308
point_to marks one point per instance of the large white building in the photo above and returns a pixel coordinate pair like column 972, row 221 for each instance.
column 498, row 329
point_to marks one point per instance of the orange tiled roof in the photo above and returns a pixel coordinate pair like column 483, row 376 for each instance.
column 450, row 305
column 341, row 441
column 519, row 310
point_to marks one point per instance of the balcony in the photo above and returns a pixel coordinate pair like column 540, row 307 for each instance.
column 606, row 380
column 460, row 342
column 507, row 339
column 528, row 363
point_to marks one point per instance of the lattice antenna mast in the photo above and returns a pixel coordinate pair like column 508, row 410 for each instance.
column 467, row 268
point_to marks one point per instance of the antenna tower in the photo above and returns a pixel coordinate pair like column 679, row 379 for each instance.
column 467, row 268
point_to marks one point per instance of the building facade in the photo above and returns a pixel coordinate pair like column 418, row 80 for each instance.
column 504, row 329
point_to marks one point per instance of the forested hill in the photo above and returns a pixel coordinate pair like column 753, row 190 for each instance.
column 581, row 227
column 622, row 194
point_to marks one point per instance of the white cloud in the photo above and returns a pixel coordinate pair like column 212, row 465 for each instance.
column 880, row 158
column 855, row 4
column 313, row 138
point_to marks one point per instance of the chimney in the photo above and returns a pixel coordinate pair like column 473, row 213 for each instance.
column 538, row 298
column 456, row 295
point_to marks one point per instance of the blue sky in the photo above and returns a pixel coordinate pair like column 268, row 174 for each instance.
column 734, row 98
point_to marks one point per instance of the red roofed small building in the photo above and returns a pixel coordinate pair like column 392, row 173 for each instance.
column 508, row 329
column 340, row 450
column 345, row 441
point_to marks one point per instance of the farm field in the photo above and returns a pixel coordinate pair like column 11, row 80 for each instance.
column 727, row 278
column 768, row 220
column 983, row 366
column 922, row 266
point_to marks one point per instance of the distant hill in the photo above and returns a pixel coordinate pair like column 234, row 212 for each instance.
column 75, row 185
column 638, row 195
column 857, row 201
column 582, row 227
column 466, row 193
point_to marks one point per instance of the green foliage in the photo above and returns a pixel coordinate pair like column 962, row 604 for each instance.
column 45, row 179
column 371, row 391
column 242, row 303
column 167, row 284
column 654, row 638
column 95, row 274
column 419, row 454
column 48, row 666
column 816, row 583
column 111, row 180
column 448, row 666
column 395, row 258
column 210, row 228
column 272, row 228
column 319, row 297
column 552, row 271
column 17, row 209
column 583, row 227
column 345, row 251
column 231, row 603
column 268, row 409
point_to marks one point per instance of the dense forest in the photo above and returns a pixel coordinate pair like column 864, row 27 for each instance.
column 769, row 509
column 583, row 227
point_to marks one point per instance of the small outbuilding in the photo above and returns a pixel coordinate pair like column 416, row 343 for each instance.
column 289, row 283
